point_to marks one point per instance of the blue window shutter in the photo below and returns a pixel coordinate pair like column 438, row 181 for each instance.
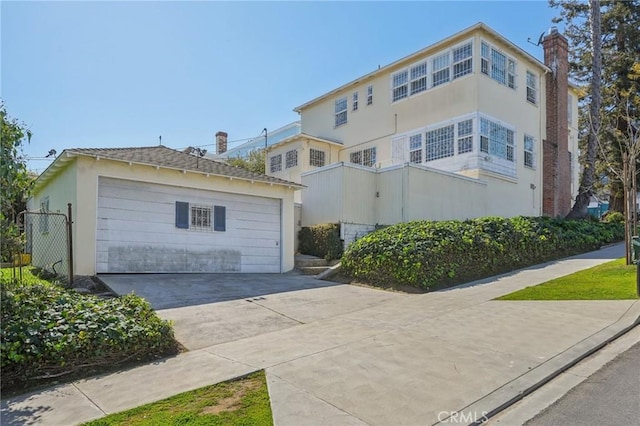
column 182, row 215
column 219, row 218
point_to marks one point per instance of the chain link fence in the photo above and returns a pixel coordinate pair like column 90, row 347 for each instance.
column 47, row 242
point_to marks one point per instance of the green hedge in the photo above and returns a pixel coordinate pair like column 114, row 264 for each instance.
column 48, row 331
column 431, row 255
column 321, row 240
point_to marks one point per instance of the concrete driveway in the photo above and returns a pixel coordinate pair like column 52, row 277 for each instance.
column 209, row 309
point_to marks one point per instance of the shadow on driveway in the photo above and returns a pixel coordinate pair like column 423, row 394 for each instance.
column 167, row 291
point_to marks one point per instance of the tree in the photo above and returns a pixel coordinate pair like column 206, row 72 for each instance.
column 588, row 178
column 15, row 181
column 254, row 162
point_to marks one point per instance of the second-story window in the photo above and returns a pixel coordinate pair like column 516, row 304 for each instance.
column 275, row 163
column 532, row 88
column 341, row 111
column 415, row 148
column 354, row 101
column 291, row 158
column 370, row 95
column 316, row 158
column 528, row 151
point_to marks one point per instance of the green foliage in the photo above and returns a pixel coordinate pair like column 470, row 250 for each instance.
column 49, row 331
column 610, row 281
column 15, row 181
column 431, row 255
column 242, row 401
column 321, row 240
column 254, row 162
column 613, row 217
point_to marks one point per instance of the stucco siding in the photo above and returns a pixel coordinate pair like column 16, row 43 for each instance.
column 322, row 199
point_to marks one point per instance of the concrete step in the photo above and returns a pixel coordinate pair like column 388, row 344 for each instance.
column 304, row 261
column 312, row 270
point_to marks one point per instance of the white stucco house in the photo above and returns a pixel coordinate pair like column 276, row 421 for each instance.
column 470, row 126
column 155, row 209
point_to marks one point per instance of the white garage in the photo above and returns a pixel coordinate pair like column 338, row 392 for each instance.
column 158, row 210
column 146, row 227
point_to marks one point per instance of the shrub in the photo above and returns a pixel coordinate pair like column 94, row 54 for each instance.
column 49, row 331
column 613, row 217
column 321, row 240
column 431, row 255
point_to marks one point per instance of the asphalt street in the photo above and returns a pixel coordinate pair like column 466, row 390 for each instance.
column 611, row 397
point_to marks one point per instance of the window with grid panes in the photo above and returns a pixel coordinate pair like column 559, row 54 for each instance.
column 369, row 95
column 440, row 69
column 532, row 87
column 316, row 158
column 511, row 74
column 356, row 157
column 496, row 65
column 419, row 78
column 465, row 136
column 341, row 111
column 415, row 148
column 496, row 139
column 400, row 85
column 354, row 101
column 369, row 157
column 291, row 158
column 528, row 151
column 439, row 143
column 462, row 60
column 200, row 217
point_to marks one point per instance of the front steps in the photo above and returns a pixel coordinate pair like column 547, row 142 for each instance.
column 311, row 265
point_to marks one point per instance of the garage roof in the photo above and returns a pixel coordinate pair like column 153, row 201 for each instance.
column 163, row 157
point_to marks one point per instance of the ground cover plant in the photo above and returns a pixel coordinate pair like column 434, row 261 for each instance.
column 435, row 254
column 243, row 401
column 48, row 331
column 610, row 281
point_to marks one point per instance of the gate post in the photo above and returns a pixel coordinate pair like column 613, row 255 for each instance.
column 70, row 243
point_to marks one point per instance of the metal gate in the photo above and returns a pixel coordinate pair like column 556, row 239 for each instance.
column 47, row 239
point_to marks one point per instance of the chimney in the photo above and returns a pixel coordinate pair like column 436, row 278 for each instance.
column 221, row 142
column 556, row 161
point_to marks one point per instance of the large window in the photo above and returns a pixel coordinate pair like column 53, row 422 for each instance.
column 497, row 65
column 496, row 140
column 400, row 85
column 465, row 136
column 462, row 60
column 341, row 111
column 415, row 148
column 275, row 163
column 291, row 158
column 532, row 88
column 316, row 158
column 365, row 157
column 439, row 143
column 419, row 78
column 529, row 158
column 440, row 69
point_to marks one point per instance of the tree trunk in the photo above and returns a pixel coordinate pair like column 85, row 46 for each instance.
column 616, row 197
column 588, row 178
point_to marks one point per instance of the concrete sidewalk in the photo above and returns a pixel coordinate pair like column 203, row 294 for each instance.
column 452, row 356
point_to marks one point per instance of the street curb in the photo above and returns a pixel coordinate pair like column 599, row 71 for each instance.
column 500, row 399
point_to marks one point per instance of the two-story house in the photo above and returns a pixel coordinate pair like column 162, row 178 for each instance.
column 470, row 126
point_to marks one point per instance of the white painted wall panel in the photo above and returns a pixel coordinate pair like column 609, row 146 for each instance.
column 136, row 231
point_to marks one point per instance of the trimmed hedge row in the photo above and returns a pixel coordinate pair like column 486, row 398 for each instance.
column 431, row 255
column 321, row 240
column 48, row 331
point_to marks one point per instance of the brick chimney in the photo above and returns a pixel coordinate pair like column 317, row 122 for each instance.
column 556, row 167
column 221, row 142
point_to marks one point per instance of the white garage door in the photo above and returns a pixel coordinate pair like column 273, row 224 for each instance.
column 145, row 227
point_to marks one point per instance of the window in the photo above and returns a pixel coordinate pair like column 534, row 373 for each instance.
column 354, row 101
column 219, row 218
column 440, row 73
column 182, row 215
column 200, row 217
column 462, row 60
column 400, row 85
column 341, row 111
column 439, row 143
column 370, row 95
column 496, row 65
column 496, row 140
column 528, row 151
column 316, row 158
column 532, row 90
column 415, row 148
column 465, row 136
column 291, row 158
column 366, row 157
column 275, row 163
column 418, row 78
column 569, row 109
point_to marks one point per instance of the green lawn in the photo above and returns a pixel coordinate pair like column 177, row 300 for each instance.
column 237, row 402
column 609, row 281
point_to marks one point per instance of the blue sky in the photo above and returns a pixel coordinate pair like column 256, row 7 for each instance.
column 117, row 74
